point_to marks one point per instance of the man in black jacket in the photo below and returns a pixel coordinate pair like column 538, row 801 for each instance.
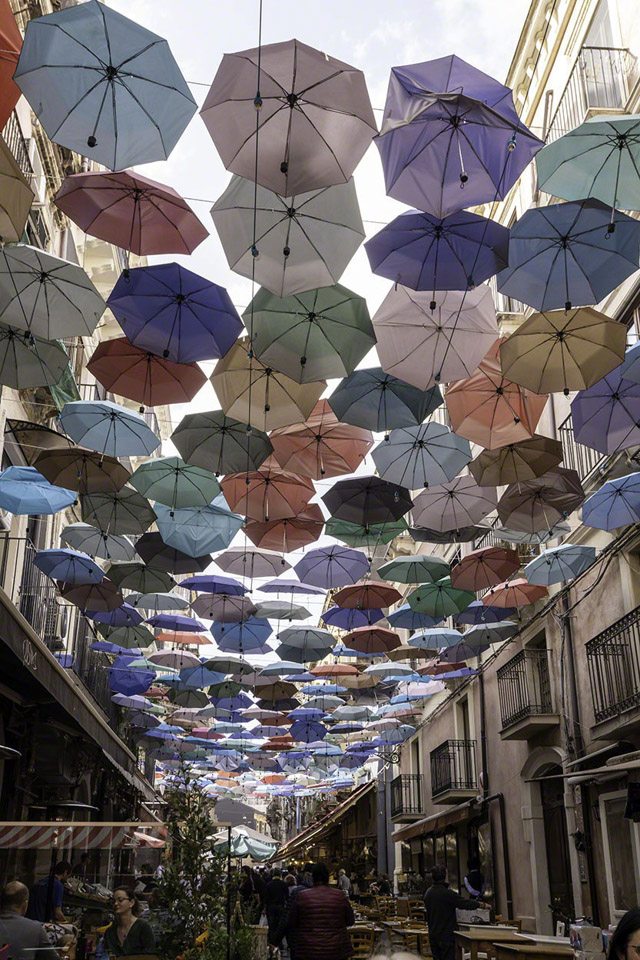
column 440, row 904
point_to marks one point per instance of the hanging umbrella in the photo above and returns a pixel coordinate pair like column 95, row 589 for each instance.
column 451, row 137
column 303, row 242
column 558, row 564
column 157, row 601
column 556, row 532
column 477, row 613
column 151, row 548
column 16, row 196
column 100, row 597
column 421, row 456
column 117, row 513
column 123, row 616
column 315, row 120
column 484, row 634
column 69, row 566
column 462, row 535
column 45, row 295
column 488, row 409
column 426, row 345
column 130, row 636
column 27, row 362
column 516, row 593
column 174, row 313
column 538, row 504
column 435, row 638
column 102, row 85
column 243, row 636
column 137, row 576
column 332, row 566
column 91, row 540
column 439, row 599
column 10, row 46
column 223, row 608
column 282, row 585
column 214, row 583
column 175, row 621
column 630, row 369
column 140, row 376
column 606, row 416
column 374, row 400
column 321, row 446
column 198, row 530
column 564, row 255
column 268, row 493
column 281, row 610
column 131, row 212
column 456, row 504
column 369, row 535
column 484, row 568
column 335, row 670
column 371, row 640
column 130, row 682
column 289, row 534
column 404, row 618
column 217, row 443
column 384, row 671
column 281, row 668
column 615, row 504
column 82, row 470
column 35, row 437
column 516, row 461
column 350, row 618
column 108, row 428
column 24, row 491
column 416, row 569
column 171, row 481
column 301, row 645
column 366, row 500
column 563, row 350
column 256, row 394
column 370, row 594
column 246, row 562
column 405, row 652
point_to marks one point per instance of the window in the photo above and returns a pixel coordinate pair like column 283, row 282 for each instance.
column 600, row 32
column 621, row 844
column 415, row 757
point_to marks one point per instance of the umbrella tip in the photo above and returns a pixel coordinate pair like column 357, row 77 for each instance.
column 91, row 141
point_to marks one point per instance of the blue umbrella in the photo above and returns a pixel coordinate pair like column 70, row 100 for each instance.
column 198, row 677
column 198, row 530
column 232, row 703
column 65, row 660
column 559, row 564
column 130, row 682
column 24, row 491
column 350, row 619
column 563, row 255
column 615, row 504
column 606, row 416
column 341, row 651
column 211, row 583
column 68, row 566
column 247, row 635
column 332, row 566
column 306, row 713
column 175, row 313
column 630, row 367
column 476, row 612
column 404, row 618
column 320, row 689
column 108, row 428
column 103, row 646
column 174, row 622
column 308, row 731
column 378, row 401
column 123, row 616
column 434, row 638
column 282, row 585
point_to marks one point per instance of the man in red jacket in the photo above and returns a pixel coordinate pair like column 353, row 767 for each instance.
column 320, row 917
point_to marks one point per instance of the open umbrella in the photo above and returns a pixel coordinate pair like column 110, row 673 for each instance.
column 415, row 569
column 123, row 616
column 27, row 362
column 439, row 599
column 129, row 636
column 377, row 401
column 350, row 618
column 218, row 443
column 371, row 640
column 282, row 585
column 312, row 642
column 214, row 583
column 404, row 618
column 435, row 638
column 137, row 576
column 615, row 504
column 536, row 505
column 83, row 470
column 461, row 535
column 484, row 568
column 102, row 85
column 481, row 634
column 16, row 196
column 365, row 500
column 321, row 446
column 68, row 566
column 451, row 137
column 421, row 456
column 367, row 595
column 292, row 533
column 157, row 601
column 35, row 437
column 310, row 336
column 281, row 610
column 119, row 513
column 478, row 613
column 559, row 564
column 171, row 481
column 109, row 428
column 24, row 491
column 224, row 608
column 449, row 506
column 198, row 530
column 151, row 548
column 242, row 636
column 175, row 621
column 315, row 120
column 332, row 566
column 556, row 532
column 365, row 535
column 303, row 242
column 100, row 597
column 10, row 46
column 515, row 593
column 268, row 493
column 606, row 416
column 516, row 461
column 91, row 540
column 246, row 562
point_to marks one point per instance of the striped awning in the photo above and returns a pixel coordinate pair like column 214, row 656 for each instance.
column 41, row 835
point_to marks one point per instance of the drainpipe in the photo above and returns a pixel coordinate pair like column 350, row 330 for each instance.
column 483, row 733
column 508, row 889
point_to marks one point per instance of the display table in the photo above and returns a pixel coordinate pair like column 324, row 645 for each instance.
column 486, row 940
column 533, row 951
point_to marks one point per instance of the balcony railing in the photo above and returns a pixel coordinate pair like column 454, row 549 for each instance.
column 614, row 667
column 526, row 551
column 18, row 145
column 406, row 794
column 524, row 689
column 453, row 766
column 577, row 456
column 600, row 80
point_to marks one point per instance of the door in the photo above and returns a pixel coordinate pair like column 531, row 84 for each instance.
column 557, row 844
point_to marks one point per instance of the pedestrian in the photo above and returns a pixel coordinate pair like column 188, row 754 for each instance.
column 250, row 894
column 290, row 881
column 25, row 938
column 275, row 896
column 344, row 883
column 276, row 939
column 45, row 900
column 441, row 904
column 128, row 935
column 320, row 918
column 625, row 942
column 474, row 880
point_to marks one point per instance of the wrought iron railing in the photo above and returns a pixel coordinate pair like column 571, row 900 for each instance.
column 492, row 538
column 614, row 667
column 524, row 688
column 406, row 794
column 576, row 456
column 14, row 138
column 453, row 766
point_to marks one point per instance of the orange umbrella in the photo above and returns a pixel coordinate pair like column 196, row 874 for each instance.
column 273, row 778
column 484, row 568
column 516, row 593
column 321, row 446
column 10, row 46
column 190, row 639
column 369, row 595
column 372, row 640
column 289, row 534
column 490, row 410
column 335, row 670
column 268, row 493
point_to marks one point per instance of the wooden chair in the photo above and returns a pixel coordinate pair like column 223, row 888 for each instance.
column 416, row 910
column 362, row 941
column 501, row 922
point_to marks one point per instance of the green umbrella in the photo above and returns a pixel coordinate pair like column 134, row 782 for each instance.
column 118, row 513
column 355, row 535
column 226, row 689
column 419, row 569
column 27, row 362
column 137, row 576
column 440, row 599
column 216, row 442
column 127, row 637
column 188, row 698
column 141, row 663
column 175, row 483
column 310, row 336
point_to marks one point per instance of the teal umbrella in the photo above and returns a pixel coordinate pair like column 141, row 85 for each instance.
column 133, row 637
column 355, row 535
column 27, row 362
column 118, row 513
column 171, row 481
column 198, row 530
column 418, row 569
column 440, row 599
column 137, row 576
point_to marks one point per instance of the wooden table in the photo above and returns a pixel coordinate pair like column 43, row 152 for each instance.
column 481, row 940
column 532, row 951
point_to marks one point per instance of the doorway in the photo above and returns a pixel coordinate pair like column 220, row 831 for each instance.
column 557, row 843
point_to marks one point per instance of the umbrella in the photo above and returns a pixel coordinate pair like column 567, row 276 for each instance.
column 462, row 535
column 300, row 644
column 426, row 346
column 151, row 548
column 435, row 638
column 308, row 731
column 137, row 576
column 35, row 437
column 175, row 621
column 174, row 313
column 372, row 640
column 129, row 636
column 405, row 652
column 558, row 564
column 606, row 415
column 289, row 534
column 16, row 196
column 223, row 608
column 100, row 597
column 10, row 45
column 218, row 443
column 538, row 504
column 478, row 613
column 369, row 535
column 130, row 682
column 246, row 635
column 449, row 506
column 451, row 137
column 321, row 446
column 315, row 121
column 366, row 500
column 488, row 409
column 439, row 599
column 131, row 212
column 139, row 375
column 481, row 634
column 332, row 566
column 27, row 362
column 91, row 540
column 416, row 569
column 516, row 593
column 281, row 610
column 123, row 616
column 171, row 481
column 404, row 618
column 563, row 350
column 375, row 400
column 565, row 255
column 516, row 461
column 484, row 568
column 350, row 618
column 45, row 295
column 198, row 530
column 157, row 601
column 268, row 493
column 258, row 395
column 615, row 504
column 246, row 562
column 282, row 668
column 370, row 594
column 104, row 86
column 282, row 585
column 69, row 566
column 421, row 456
column 630, row 369
column 24, row 491
column 107, row 427
column 214, row 583
column 303, row 242
column 556, row 532
column 385, row 670
column 82, row 470
column 118, row 513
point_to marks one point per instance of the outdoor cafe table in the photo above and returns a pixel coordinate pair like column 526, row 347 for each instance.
column 482, row 940
column 533, row 951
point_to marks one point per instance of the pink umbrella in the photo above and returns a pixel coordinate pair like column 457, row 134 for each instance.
column 516, row 593
column 321, row 446
column 268, row 493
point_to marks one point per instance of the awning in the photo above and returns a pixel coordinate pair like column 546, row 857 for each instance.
column 317, row 831
column 457, row 814
column 61, row 835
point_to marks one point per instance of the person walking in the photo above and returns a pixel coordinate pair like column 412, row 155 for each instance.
column 276, row 938
column 344, row 883
column 128, row 935
column 320, row 918
column 441, row 904
column 27, row 939
column 275, row 896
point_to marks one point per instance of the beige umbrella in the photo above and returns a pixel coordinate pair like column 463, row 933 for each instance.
column 516, row 462
column 254, row 393
column 563, row 350
column 16, row 197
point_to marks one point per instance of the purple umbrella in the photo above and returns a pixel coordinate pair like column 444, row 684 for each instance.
column 308, row 731
column 350, row 619
column 175, row 622
column 606, row 417
column 175, row 313
column 210, row 583
column 103, row 646
column 476, row 613
column 123, row 616
column 332, row 566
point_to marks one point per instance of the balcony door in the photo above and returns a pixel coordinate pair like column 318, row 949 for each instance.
column 603, row 67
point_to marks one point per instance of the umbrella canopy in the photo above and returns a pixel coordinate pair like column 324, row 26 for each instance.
column 282, row 585
column 174, row 313
column 218, row 443
column 372, row 640
column 256, row 394
column 102, row 85
column 421, row 456
column 368, row 535
column 377, row 401
column 82, row 470
column 439, row 599
column 416, row 569
column 630, row 369
column 123, row 616
column 151, row 548
column 303, row 242
column 246, row 562
column 109, row 428
column 310, row 336
column 24, row 491
column 538, row 504
column 91, row 540
column 451, row 137
column 292, row 533
column 139, row 375
column 118, row 513
column 435, row 638
column 130, row 636
column 100, row 597
column 563, row 350
column 556, row 532
column 462, row 535
column 489, row 409
column 223, row 608
column 516, row 593
column 246, row 635
column 175, row 621
column 130, row 211
column 268, row 493
column 606, row 415
column 35, row 437
column 426, row 345
column 27, row 362
column 365, row 500
column 615, row 504
column 10, row 46
column 370, row 594
column 171, row 481
column 137, row 576
column 45, row 295
column 281, row 610
column 478, row 613
column 481, row 634
column 157, row 601
column 315, row 122
column 449, row 506
column 198, row 530
column 564, row 255
column 516, row 461
column 69, row 566
column 405, row 618
column 558, row 564
column 350, row 618
column 16, row 196
column 311, row 642
column 332, row 566
column 321, row 446
column 485, row 568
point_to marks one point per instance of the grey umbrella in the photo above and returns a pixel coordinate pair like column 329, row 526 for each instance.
column 451, row 505
column 421, row 456
column 27, row 361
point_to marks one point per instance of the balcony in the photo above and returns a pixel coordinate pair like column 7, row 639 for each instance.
column 18, row 145
column 524, row 691
column 453, row 771
column 576, row 456
column 600, row 82
column 407, row 802
column 613, row 658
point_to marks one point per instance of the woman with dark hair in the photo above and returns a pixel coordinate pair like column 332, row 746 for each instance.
column 128, row 935
column 625, row 943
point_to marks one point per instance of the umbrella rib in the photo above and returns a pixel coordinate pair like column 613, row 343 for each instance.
column 146, row 113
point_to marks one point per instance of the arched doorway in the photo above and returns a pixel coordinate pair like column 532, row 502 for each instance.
column 557, row 843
